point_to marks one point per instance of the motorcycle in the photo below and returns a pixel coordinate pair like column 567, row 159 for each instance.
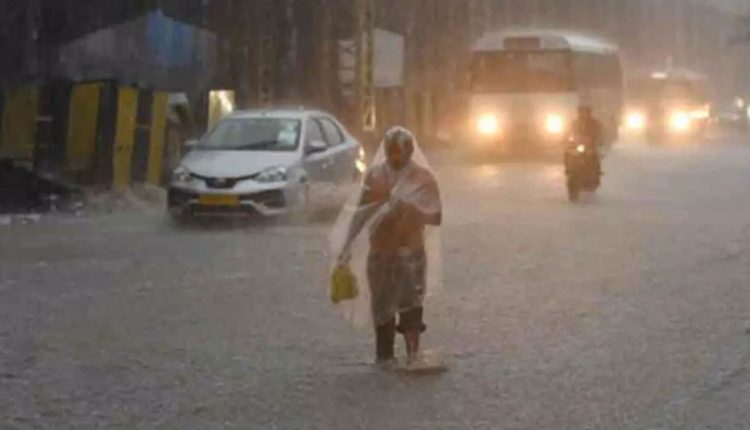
column 581, row 168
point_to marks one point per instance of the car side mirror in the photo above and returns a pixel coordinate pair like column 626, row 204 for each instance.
column 191, row 143
column 315, row 146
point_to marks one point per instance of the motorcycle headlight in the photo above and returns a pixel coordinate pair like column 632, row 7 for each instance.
column 488, row 124
column 581, row 149
column 180, row 174
column 554, row 124
column 274, row 174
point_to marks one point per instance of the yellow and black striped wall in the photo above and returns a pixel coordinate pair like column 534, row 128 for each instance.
column 91, row 132
column 18, row 117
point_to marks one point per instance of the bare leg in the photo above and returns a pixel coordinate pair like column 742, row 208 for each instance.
column 412, row 328
column 411, row 338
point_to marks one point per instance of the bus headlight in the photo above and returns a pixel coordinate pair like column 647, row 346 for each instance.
column 488, row 124
column 679, row 121
column 700, row 114
column 554, row 124
column 636, row 120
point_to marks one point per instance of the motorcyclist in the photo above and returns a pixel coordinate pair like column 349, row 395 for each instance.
column 587, row 130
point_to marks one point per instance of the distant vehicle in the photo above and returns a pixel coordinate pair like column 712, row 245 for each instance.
column 667, row 105
column 264, row 161
column 731, row 116
column 526, row 87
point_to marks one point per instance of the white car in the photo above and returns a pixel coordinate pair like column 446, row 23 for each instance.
column 264, row 161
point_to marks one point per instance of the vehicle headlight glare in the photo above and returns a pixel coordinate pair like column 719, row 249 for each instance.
column 274, row 174
column 554, row 124
column 361, row 166
column 636, row 121
column 488, row 124
column 680, row 121
column 361, row 163
column 699, row 114
column 581, row 149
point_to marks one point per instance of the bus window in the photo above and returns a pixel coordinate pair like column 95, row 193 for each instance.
column 522, row 72
column 596, row 71
column 668, row 89
column 677, row 89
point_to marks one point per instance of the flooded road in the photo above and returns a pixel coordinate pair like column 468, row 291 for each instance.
column 626, row 311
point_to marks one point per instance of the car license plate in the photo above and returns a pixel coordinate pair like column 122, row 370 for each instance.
column 219, row 200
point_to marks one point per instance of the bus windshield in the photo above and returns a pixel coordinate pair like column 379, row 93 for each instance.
column 651, row 89
column 522, row 72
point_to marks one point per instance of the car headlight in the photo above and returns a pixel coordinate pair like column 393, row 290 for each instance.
column 554, row 124
column 361, row 163
column 488, row 124
column 274, row 174
column 680, row 121
column 180, row 174
column 635, row 120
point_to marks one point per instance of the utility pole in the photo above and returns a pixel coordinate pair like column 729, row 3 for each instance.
column 37, row 44
column 365, row 67
column 289, row 83
column 327, row 41
column 266, row 53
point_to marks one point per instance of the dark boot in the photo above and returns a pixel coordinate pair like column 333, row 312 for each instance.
column 385, row 338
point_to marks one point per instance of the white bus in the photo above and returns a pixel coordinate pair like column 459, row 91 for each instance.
column 526, row 87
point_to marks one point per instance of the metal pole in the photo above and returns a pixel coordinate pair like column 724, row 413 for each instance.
column 365, row 72
column 38, row 43
column 679, row 35
column 266, row 53
column 325, row 39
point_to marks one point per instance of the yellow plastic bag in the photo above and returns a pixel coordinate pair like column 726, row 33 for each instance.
column 343, row 285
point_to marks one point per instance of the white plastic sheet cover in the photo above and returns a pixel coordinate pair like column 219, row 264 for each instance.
column 392, row 196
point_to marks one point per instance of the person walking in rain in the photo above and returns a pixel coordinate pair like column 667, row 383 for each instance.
column 399, row 204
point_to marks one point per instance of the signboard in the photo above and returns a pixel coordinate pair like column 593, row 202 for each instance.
column 389, row 59
column 388, row 62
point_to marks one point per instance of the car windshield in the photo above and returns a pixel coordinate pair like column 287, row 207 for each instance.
column 253, row 134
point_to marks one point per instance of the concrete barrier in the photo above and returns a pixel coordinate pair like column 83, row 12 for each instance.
column 100, row 133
